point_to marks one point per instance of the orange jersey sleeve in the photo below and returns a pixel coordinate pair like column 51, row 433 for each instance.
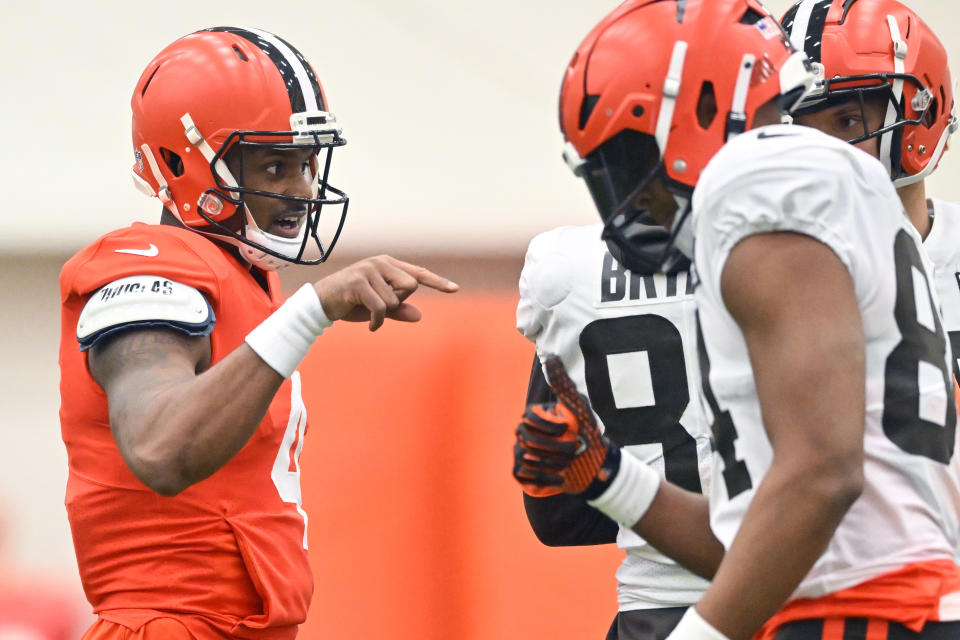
column 228, row 552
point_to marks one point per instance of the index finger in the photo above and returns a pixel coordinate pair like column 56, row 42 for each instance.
column 424, row 276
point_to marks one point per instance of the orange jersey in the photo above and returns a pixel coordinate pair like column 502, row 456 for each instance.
column 228, row 554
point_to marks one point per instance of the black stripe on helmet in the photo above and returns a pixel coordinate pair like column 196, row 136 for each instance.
column 314, row 83
column 814, row 35
column 818, row 20
column 284, row 67
column 789, row 17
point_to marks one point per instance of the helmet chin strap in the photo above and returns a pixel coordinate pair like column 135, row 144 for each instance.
column 289, row 247
column 681, row 231
column 899, row 56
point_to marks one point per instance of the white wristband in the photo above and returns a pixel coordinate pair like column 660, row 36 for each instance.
column 283, row 339
column 693, row 627
column 630, row 494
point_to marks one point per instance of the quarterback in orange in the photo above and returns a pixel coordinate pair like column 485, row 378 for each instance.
column 181, row 408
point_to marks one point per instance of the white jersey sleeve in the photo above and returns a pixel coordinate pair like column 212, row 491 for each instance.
column 943, row 246
column 542, row 286
column 795, row 179
column 629, row 343
column 780, row 185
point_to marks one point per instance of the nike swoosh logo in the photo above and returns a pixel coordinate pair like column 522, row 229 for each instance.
column 147, row 253
column 763, row 135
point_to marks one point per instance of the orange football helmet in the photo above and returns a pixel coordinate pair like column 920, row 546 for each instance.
column 223, row 88
column 880, row 47
column 632, row 96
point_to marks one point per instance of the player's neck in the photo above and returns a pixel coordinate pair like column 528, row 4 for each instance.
column 166, row 217
column 914, row 198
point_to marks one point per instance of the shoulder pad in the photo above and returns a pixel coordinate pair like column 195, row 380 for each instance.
column 144, row 301
column 555, row 257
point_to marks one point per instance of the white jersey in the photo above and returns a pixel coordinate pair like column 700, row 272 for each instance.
column 629, row 343
column 799, row 180
column 943, row 247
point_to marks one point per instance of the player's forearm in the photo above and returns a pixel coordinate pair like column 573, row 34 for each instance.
column 678, row 525
column 793, row 515
column 188, row 427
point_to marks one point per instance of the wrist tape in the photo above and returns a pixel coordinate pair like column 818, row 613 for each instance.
column 283, row 339
column 693, row 627
column 630, row 493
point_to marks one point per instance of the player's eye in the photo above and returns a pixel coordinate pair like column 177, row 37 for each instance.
column 306, row 171
column 849, row 121
column 273, row 168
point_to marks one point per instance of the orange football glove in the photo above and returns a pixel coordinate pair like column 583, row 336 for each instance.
column 560, row 445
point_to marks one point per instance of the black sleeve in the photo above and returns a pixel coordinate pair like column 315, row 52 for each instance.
column 563, row 520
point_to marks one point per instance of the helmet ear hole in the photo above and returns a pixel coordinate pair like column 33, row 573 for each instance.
column 706, row 105
column 751, row 17
column 173, row 161
column 931, row 114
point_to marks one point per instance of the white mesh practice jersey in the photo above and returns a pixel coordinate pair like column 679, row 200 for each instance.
column 943, row 247
column 799, row 180
column 629, row 343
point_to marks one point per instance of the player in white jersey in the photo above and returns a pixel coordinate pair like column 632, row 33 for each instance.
column 942, row 244
column 824, row 360
column 886, row 88
column 628, row 338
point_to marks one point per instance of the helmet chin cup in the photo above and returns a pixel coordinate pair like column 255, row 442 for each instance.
column 681, row 229
column 262, row 259
column 282, row 251
column 638, row 243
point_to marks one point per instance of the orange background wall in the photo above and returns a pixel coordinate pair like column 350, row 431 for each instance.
column 417, row 529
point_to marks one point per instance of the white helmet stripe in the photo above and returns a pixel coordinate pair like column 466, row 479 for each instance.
column 300, row 72
column 801, row 24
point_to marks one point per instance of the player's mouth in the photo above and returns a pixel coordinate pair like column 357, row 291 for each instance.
column 286, row 225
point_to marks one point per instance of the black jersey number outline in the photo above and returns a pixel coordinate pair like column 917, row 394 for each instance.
column 736, row 476
column 655, row 424
column 902, row 423
column 901, row 420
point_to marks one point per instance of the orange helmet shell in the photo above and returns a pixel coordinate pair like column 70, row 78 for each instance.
column 219, row 87
column 868, row 37
column 226, row 83
column 618, row 77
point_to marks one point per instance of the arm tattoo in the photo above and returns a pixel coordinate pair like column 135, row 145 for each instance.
column 156, row 356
